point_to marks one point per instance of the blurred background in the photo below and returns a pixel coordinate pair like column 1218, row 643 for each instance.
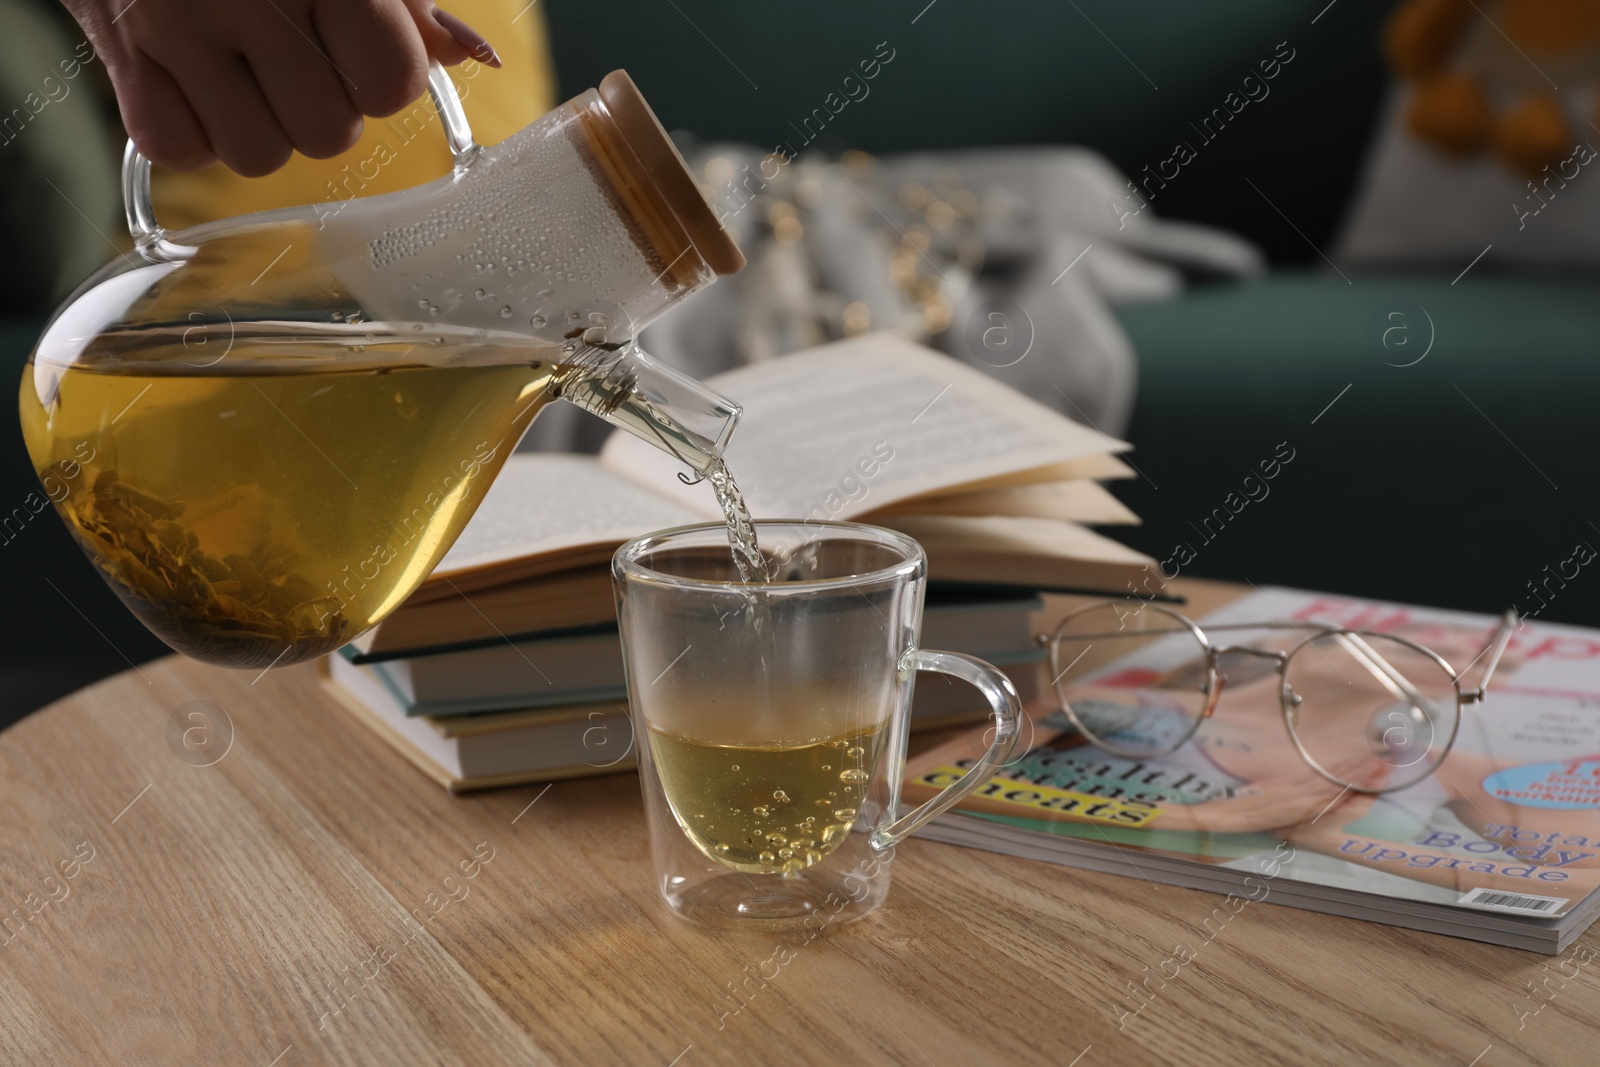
column 1443, row 464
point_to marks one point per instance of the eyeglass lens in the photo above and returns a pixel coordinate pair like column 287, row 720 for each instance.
column 1140, row 712
column 1372, row 712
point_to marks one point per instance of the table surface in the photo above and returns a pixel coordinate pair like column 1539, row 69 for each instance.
column 305, row 899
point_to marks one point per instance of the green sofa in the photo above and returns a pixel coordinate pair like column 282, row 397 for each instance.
column 1434, row 483
column 1461, row 480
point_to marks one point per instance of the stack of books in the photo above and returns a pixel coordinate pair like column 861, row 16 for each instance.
column 554, row 705
column 505, row 666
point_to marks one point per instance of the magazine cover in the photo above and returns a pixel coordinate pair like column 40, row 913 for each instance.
column 1506, row 823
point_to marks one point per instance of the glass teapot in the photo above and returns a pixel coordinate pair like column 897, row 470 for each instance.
column 266, row 431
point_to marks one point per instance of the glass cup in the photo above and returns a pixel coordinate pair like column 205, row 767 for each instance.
column 770, row 718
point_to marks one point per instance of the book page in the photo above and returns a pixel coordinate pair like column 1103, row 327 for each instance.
column 542, row 504
column 1103, row 466
column 1040, row 553
column 841, row 430
column 1076, row 501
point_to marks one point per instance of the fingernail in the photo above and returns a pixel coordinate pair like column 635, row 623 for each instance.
column 468, row 38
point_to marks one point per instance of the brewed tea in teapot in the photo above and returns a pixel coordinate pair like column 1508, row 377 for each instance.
column 266, row 431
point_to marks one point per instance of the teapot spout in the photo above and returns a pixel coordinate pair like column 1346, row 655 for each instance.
column 625, row 386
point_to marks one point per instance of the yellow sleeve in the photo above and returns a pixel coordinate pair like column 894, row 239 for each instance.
column 408, row 148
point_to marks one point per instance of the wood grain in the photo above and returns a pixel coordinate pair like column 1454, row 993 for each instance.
column 303, row 900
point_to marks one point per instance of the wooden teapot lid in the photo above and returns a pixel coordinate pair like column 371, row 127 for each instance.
column 658, row 179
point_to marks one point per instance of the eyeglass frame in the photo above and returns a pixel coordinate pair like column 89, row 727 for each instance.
column 1216, row 678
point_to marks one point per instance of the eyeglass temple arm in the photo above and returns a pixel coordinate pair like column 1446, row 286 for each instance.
column 1319, row 627
column 1380, row 668
column 1496, row 648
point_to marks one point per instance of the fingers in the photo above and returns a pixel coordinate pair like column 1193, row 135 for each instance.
column 457, row 42
column 377, row 50
column 296, row 75
column 312, row 110
column 239, row 123
column 306, row 93
column 156, row 115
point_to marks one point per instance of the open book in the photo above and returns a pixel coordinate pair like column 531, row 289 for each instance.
column 994, row 485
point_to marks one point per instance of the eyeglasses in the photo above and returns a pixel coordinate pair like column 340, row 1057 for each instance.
column 1361, row 707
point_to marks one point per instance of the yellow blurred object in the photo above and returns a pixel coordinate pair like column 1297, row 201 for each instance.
column 406, row 149
column 1483, row 71
column 1451, row 113
column 1532, row 135
column 1553, row 25
column 1421, row 36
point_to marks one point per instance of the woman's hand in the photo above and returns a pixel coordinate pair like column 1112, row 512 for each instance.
column 248, row 81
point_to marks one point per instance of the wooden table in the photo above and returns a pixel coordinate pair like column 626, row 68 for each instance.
column 300, row 898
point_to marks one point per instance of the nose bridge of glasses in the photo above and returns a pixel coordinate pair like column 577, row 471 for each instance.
column 1218, row 655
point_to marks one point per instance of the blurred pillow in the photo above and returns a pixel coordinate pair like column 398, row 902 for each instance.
column 1415, row 205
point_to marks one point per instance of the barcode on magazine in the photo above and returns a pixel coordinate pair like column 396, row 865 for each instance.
column 1531, row 905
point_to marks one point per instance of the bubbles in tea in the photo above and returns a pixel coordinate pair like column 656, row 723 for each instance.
column 767, row 809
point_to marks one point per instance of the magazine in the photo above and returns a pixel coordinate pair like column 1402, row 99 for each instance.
column 1501, row 843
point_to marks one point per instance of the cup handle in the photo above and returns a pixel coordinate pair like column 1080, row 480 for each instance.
column 141, row 212
column 1002, row 696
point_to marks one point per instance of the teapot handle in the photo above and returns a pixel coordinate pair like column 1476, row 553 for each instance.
column 141, row 211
